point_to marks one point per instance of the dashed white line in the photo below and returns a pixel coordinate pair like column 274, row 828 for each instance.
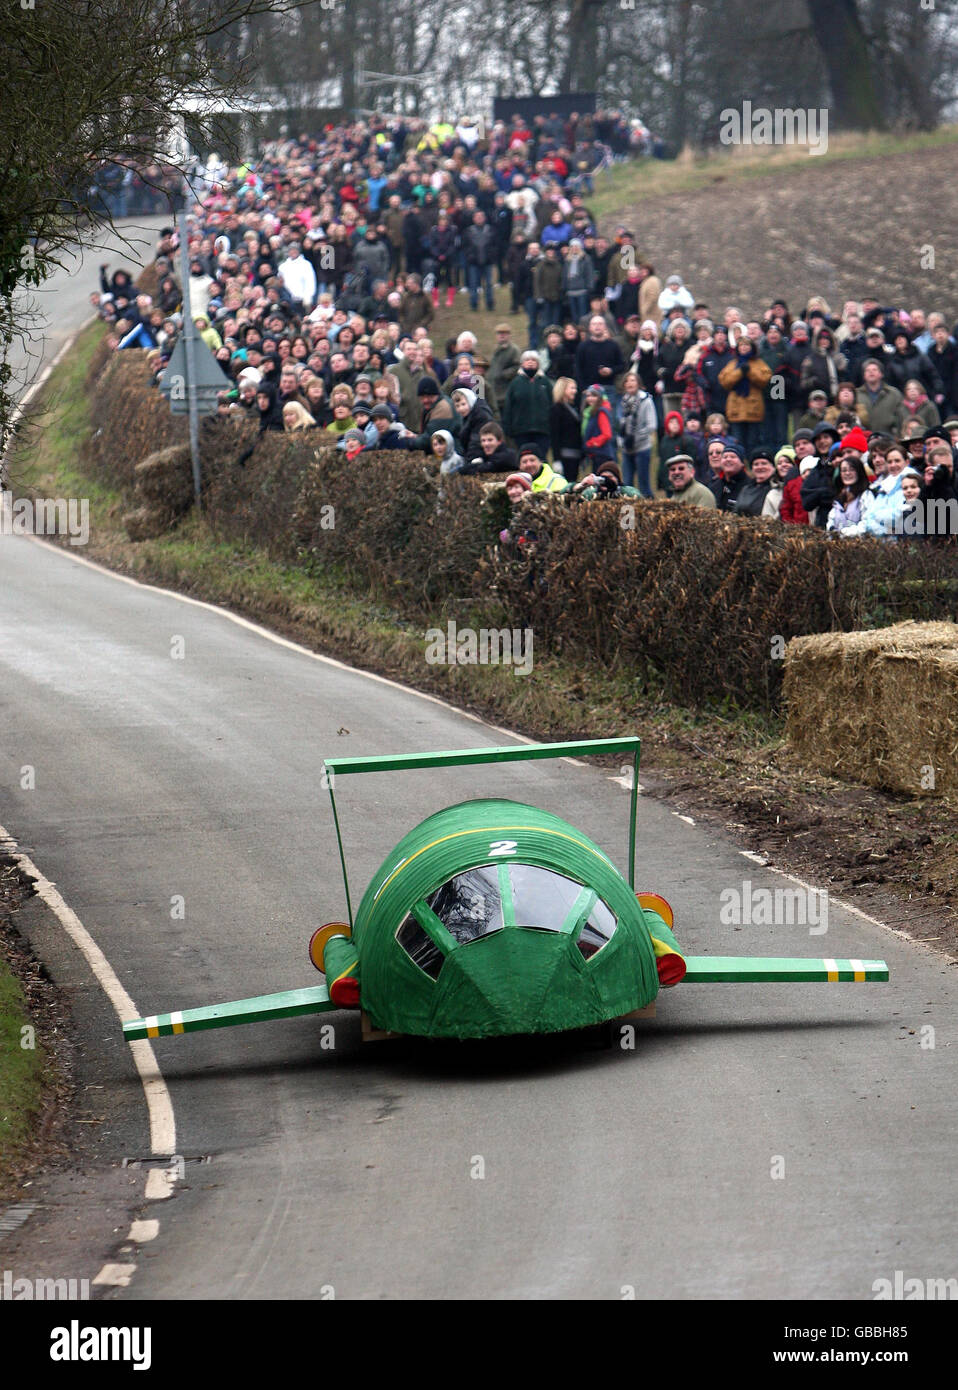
column 115, row 1275
column 159, row 1184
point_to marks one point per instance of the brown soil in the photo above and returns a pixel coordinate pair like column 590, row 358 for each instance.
column 842, row 230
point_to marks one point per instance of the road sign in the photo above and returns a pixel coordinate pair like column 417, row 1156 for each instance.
column 208, row 383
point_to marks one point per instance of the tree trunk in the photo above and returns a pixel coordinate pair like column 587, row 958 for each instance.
column 838, row 32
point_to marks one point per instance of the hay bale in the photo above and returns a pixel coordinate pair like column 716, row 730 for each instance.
column 147, row 523
column 879, row 707
column 165, row 478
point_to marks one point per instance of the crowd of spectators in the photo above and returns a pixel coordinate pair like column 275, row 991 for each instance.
column 316, row 276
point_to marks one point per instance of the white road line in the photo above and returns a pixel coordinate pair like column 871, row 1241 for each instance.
column 407, row 690
column 158, row 1102
column 159, row 1183
column 142, row 1231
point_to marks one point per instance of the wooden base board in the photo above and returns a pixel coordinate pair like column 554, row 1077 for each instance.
column 371, row 1034
column 647, row 1012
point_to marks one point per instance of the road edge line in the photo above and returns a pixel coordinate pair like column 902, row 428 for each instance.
column 159, row 1103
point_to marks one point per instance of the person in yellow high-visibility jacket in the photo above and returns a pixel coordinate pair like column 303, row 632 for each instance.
column 543, row 475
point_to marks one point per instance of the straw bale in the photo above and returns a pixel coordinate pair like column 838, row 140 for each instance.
column 879, row 707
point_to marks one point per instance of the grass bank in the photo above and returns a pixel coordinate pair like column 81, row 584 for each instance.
column 23, row 1059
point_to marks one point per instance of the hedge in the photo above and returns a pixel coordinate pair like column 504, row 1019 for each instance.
column 701, row 602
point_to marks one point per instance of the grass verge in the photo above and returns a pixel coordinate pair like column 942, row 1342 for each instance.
column 23, row 1058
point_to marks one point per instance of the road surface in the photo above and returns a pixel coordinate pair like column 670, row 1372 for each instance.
column 792, row 1142
column 352, row 1167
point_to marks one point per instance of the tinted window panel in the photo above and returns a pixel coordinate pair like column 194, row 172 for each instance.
column 420, row 949
column 541, row 898
column 597, row 930
column 469, row 905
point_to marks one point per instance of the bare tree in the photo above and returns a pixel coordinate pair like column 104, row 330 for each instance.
column 89, row 89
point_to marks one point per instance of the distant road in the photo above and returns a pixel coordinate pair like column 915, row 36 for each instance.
column 61, row 306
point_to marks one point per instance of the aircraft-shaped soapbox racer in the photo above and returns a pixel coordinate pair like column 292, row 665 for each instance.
column 494, row 918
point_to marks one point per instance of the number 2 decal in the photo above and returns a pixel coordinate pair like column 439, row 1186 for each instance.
column 503, row 847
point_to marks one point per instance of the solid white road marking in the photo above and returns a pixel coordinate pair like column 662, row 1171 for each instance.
column 158, row 1102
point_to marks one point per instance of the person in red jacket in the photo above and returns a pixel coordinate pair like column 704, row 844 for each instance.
column 791, row 511
column 598, row 435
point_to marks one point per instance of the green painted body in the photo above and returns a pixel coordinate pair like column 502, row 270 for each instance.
column 522, row 975
column 290, row 1003
column 515, row 979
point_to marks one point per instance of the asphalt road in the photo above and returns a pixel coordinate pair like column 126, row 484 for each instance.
column 51, row 313
column 354, row 1167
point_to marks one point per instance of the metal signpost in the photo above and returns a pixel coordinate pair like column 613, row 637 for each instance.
column 192, row 380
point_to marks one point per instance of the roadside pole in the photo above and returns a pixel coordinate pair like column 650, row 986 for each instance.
column 189, row 341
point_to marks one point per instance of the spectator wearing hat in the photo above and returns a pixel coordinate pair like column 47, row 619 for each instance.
column 437, row 414
column 816, row 411
column 876, row 347
column 390, row 434
column 503, row 366
column 684, row 487
column 818, row 484
column 675, row 296
column 791, row 512
column 881, row 401
column 674, row 441
column 525, row 414
column 598, row 432
column 542, row 476
column 517, row 485
column 753, row 497
column 733, row 477
column 605, row 484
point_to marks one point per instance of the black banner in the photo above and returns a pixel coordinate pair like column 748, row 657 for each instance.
column 504, row 108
